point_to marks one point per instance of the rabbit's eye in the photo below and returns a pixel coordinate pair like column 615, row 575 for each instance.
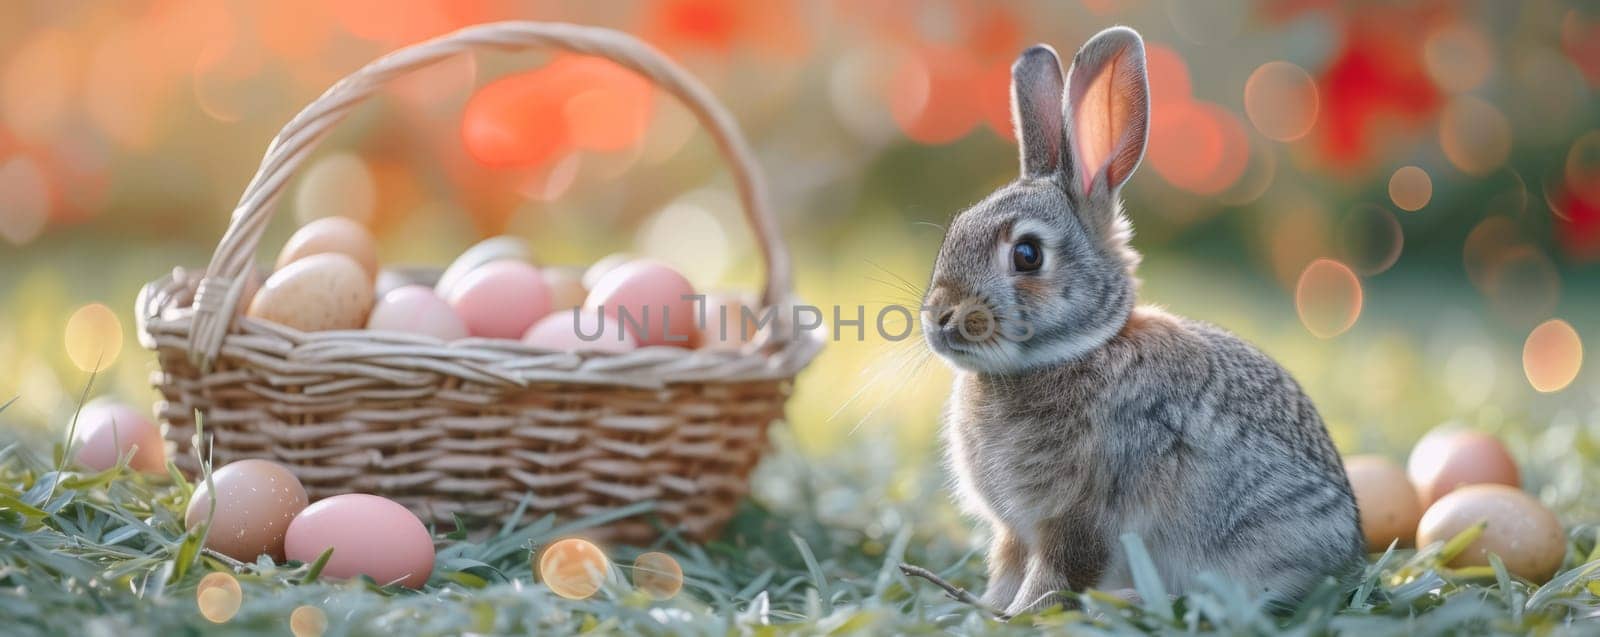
column 1026, row 256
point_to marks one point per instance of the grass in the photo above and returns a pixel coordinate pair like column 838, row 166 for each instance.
column 106, row 553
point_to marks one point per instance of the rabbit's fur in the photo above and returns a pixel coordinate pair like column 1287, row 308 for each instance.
column 1077, row 416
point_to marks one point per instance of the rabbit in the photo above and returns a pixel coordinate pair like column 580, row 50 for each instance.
column 1076, row 415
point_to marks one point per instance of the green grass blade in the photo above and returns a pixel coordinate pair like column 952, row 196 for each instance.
column 818, row 580
column 1146, row 579
column 316, row 567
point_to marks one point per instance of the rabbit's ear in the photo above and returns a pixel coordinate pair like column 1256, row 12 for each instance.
column 1036, row 110
column 1108, row 110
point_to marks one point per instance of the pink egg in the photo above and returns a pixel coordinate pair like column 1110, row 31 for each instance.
column 652, row 296
column 500, row 299
column 417, row 310
column 369, row 536
column 561, row 332
column 108, row 429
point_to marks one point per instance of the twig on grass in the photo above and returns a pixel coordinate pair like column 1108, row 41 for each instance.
column 954, row 592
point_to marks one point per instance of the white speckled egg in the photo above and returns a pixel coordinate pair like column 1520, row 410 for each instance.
column 326, row 291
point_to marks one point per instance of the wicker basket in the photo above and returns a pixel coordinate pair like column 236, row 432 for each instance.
column 475, row 427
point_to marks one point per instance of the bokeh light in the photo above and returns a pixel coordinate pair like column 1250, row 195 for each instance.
column 1459, row 57
column 1297, row 231
column 308, row 621
column 1369, row 239
column 219, row 597
column 573, row 568
column 1197, row 146
column 690, row 238
column 1281, row 100
column 24, row 200
column 1552, row 356
column 1474, row 135
column 1582, row 169
column 337, row 185
column 93, row 337
column 931, row 95
column 37, row 84
column 1523, row 285
column 1486, row 245
column 1328, row 298
column 1410, row 188
column 658, row 574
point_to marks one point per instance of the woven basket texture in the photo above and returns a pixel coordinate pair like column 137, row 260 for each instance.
column 477, row 428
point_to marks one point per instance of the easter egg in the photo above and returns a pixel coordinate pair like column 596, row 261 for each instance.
column 725, row 324
column 1388, row 503
column 256, row 500
column 1526, row 535
column 573, row 568
column 591, row 276
column 566, row 287
column 106, row 430
column 501, row 248
column 320, row 292
column 500, row 299
column 369, row 535
column 1446, row 459
column 415, row 309
column 653, row 299
column 560, row 331
column 333, row 234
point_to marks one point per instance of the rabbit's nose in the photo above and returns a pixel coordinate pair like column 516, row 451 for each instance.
column 977, row 324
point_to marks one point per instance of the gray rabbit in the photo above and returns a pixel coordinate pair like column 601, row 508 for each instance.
column 1077, row 416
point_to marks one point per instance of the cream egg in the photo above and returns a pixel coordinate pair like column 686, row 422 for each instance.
column 333, row 234
column 320, row 292
column 1388, row 503
column 256, row 500
column 501, row 299
column 106, row 430
column 566, row 287
column 1448, row 458
column 725, row 325
column 369, row 535
column 579, row 331
column 591, row 276
column 656, row 302
column 415, row 309
column 1521, row 530
column 501, row 248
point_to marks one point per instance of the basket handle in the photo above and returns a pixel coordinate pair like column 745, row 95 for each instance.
column 219, row 291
